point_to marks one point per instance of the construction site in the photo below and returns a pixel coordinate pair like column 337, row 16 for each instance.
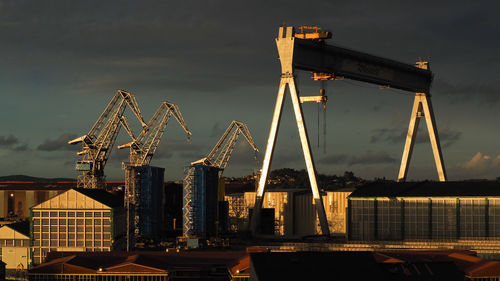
column 144, row 213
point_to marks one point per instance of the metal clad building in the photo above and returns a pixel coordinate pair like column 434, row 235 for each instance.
column 425, row 211
column 148, row 183
column 200, row 201
column 77, row 220
column 294, row 211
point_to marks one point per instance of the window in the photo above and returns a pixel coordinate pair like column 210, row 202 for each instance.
column 88, row 214
column 472, row 218
column 417, row 218
column 62, row 214
column 71, row 221
column 36, row 214
column 71, row 214
column 53, row 214
column 444, row 219
column 389, row 219
column 362, row 219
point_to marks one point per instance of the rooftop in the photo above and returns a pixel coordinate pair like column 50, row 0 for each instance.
column 428, row 189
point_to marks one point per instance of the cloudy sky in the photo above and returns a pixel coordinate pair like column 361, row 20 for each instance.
column 62, row 61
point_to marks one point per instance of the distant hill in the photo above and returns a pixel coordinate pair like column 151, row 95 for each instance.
column 33, row 179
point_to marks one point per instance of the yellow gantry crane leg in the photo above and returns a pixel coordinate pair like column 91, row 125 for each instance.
column 422, row 107
column 285, row 43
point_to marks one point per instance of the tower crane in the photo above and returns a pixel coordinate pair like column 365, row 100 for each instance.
column 98, row 142
column 142, row 150
column 203, row 203
column 220, row 154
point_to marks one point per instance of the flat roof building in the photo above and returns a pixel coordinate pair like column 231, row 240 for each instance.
column 432, row 211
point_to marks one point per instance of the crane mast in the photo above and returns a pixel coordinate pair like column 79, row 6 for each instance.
column 220, row 154
column 142, row 150
column 98, row 142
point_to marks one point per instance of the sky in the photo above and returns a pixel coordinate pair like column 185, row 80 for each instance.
column 62, row 61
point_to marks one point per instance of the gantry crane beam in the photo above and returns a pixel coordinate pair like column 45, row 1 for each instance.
column 98, row 142
column 221, row 152
column 311, row 53
column 317, row 56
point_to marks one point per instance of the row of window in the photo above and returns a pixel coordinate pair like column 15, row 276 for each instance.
column 70, row 243
column 71, row 236
column 71, row 214
column 71, row 229
column 71, row 221
column 445, row 219
column 14, row 242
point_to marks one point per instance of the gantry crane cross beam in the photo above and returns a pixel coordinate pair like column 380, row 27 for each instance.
column 221, row 152
column 311, row 53
column 98, row 142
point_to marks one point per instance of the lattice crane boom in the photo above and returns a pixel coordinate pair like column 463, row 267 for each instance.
column 98, row 142
column 220, row 154
column 144, row 146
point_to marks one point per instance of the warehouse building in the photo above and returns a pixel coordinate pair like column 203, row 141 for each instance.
column 437, row 211
column 78, row 220
column 139, row 266
column 17, row 197
column 290, row 211
column 15, row 246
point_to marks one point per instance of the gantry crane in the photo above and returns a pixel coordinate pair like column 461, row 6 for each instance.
column 98, row 142
column 142, row 150
column 220, row 154
column 309, row 52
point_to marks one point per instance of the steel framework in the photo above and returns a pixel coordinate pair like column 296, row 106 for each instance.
column 221, row 152
column 98, row 142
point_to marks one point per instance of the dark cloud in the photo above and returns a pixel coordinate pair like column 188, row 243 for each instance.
column 334, row 159
column 447, row 136
column 59, row 144
column 469, row 91
column 13, row 143
column 371, row 158
column 22, row 147
column 216, row 131
column 8, row 141
column 368, row 158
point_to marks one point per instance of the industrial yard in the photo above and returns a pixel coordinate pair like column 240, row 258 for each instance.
column 244, row 168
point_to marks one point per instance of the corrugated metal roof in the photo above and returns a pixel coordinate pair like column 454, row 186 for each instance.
column 103, row 196
column 39, row 186
column 133, row 262
column 428, row 189
column 22, row 227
